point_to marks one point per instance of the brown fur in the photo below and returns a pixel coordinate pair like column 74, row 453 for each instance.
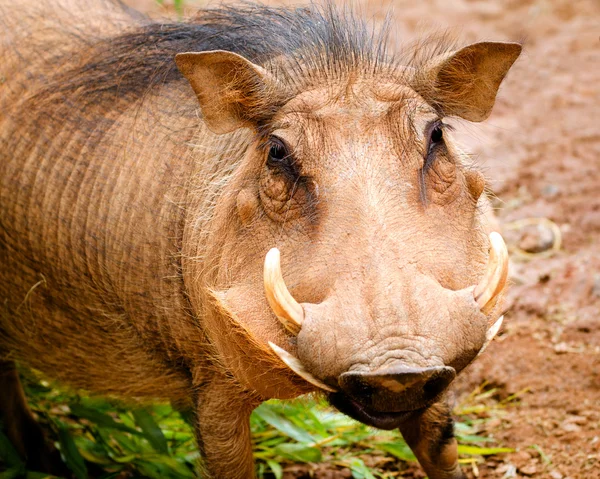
column 132, row 235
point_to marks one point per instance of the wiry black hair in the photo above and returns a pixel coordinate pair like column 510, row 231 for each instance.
column 302, row 45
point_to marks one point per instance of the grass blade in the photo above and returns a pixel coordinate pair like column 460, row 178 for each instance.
column 70, row 453
column 359, row 469
column 397, row 449
column 152, row 432
column 12, row 473
column 276, row 469
column 482, row 451
column 99, row 418
column 282, row 424
column 38, row 475
column 299, row 452
column 9, row 454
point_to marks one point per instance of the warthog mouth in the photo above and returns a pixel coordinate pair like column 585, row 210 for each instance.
column 380, row 420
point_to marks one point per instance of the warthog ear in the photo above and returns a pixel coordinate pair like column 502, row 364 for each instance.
column 231, row 90
column 465, row 82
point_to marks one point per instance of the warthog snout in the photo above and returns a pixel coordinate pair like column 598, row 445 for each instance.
column 398, row 388
column 385, row 398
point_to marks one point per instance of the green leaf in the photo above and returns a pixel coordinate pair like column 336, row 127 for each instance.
column 154, row 470
column 482, row 451
column 152, row 432
column 282, row 424
column 164, row 467
column 99, row 418
column 299, row 452
column 12, row 473
column 110, row 475
column 178, row 7
column 472, row 438
column 275, row 468
column 125, row 459
column 359, row 469
column 397, row 449
column 70, row 453
column 9, row 454
column 92, row 451
column 37, row 475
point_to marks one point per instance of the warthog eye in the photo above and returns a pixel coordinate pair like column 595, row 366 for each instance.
column 278, row 151
column 437, row 134
column 280, row 157
column 435, row 139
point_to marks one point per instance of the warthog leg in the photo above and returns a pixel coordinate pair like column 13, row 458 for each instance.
column 430, row 435
column 223, row 429
column 20, row 426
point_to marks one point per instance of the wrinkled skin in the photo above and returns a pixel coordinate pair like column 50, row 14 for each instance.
column 132, row 259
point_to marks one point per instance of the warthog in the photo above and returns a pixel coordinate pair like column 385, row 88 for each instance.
column 152, row 175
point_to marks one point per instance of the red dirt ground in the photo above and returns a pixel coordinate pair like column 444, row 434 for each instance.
column 541, row 150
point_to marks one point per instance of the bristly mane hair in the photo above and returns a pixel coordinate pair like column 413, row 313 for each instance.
column 303, row 46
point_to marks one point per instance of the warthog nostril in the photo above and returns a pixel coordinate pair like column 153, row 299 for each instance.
column 435, row 386
column 363, row 390
column 398, row 388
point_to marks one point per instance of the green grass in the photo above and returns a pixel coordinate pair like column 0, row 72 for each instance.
column 177, row 5
column 100, row 438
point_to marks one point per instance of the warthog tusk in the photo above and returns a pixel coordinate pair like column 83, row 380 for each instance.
column 295, row 365
column 495, row 275
column 491, row 334
column 283, row 304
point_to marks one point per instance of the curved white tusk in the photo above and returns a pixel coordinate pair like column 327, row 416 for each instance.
column 295, row 365
column 495, row 275
column 491, row 334
column 283, row 304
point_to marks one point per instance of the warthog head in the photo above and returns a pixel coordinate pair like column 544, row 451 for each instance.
column 348, row 243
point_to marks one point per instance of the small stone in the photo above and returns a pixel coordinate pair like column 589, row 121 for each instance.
column 529, row 470
column 563, row 348
column 536, row 238
column 510, row 472
column 585, row 325
column 570, row 427
column 575, row 419
column 556, row 475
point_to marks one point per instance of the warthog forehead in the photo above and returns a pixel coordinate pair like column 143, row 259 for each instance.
column 364, row 98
